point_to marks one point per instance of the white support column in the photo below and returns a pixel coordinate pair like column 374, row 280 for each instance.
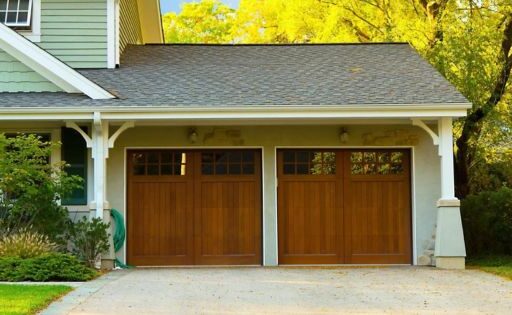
column 450, row 250
column 99, row 154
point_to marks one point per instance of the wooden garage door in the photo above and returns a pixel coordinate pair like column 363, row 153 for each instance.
column 344, row 207
column 194, row 207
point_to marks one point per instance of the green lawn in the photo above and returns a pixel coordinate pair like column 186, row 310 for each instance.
column 498, row 265
column 28, row 299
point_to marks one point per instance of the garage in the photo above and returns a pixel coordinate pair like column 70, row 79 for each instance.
column 191, row 207
column 344, row 206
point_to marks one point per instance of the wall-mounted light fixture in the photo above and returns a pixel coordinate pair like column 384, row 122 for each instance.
column 343, row 135
column 193, row 136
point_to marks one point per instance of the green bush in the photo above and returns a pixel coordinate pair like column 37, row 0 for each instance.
column 26, row 244
column 89, row 239
column 487, row 221
column 48, row 267
column 30, row 187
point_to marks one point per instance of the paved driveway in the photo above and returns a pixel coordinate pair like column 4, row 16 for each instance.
column 290, row 291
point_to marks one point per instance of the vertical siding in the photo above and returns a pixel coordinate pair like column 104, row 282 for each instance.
column 129, row 28
column 16, row 77
column 75, row 31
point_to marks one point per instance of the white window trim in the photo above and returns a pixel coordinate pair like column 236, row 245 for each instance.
column 34, row 34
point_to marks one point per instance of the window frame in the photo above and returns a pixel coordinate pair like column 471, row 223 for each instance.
column 32, row 31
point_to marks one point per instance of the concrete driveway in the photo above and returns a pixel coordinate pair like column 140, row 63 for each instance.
column 290, row 291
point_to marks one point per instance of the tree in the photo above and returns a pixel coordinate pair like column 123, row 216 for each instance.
column 208, row 21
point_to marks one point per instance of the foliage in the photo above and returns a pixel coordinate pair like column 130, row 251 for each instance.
column 467, row 41
column 31, row 187
column 89, row 239
column 487, row 221
column 26, row 244
column 47, row 267
column 208, row 21
column 28, row 299
column 498, row 265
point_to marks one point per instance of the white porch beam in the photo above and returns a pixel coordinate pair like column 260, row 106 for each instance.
column 99, row 148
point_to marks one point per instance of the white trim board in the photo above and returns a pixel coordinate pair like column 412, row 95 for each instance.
column 48, row 66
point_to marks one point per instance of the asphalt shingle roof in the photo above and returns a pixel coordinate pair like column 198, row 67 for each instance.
column 255, row 75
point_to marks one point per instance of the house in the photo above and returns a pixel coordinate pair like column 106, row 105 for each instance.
column 237, row 154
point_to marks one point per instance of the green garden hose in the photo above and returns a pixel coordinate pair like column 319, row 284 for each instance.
column 119, row 235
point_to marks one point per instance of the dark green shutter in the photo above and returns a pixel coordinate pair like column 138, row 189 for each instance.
column 74, row 153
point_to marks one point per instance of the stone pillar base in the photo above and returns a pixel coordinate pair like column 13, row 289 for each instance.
column 107, row 264
column 451, row 262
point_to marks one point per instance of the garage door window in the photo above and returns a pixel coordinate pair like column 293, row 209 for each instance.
column 159, row 163
column 309, row 162
column 228, row 163
column 377, row 163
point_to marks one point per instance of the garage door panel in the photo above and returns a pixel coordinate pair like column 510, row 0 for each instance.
column 194, row 207
column 378, row 207
column 230, row 220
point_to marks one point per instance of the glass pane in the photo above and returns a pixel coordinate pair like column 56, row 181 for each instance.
column 152, row 169
column 24, row 5
column 396, row 157
column 139, row 170
column 22, row 18
column 316, row 169
column 221, row 169
column 329, row 169
column 302, row 169
column 153, row 157
column 235, row 169
column 289, row 157
column 180, row 169
column 2, row 17
column 3, row 5
column 383, row 157
column 288, row 169
column 221, row 157
column 166, row 157
column 384, row 169
column 11, row 17
column 207, row 169
column 180, row 158
column 139, row 158
column 166, row 169
column 356, row 169
column 13, row 5
column 248, row 156
column 397, row 169
column 248, row 169
column 303, row 157
column 370, row 157
column 356, row 157
column 207, row 157
column 235, row 157
column 370, row 168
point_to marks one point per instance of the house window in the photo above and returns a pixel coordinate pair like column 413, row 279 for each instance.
column 377, row 163
column 309, row 162
column 16, row 13
column 74, row 153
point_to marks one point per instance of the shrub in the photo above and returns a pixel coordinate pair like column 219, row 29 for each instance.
column 26, row 244
column 48, row 267
column 30, row 187
column 89, row 239
column 487, row 221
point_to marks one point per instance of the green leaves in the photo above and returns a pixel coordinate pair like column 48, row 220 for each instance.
column 89, row 239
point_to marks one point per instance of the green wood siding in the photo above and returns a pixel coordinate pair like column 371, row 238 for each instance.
column 75, row 31
column 16, row 77
column 129, row 28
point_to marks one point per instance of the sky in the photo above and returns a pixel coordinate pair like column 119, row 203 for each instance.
column 174, row 5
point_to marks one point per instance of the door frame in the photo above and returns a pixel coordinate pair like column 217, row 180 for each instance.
column 360, row 147
column 191, row 148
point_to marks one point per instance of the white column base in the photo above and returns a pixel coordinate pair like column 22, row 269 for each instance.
column 451, row 262
column 450, row 250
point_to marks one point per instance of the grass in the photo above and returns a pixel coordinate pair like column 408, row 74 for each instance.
column 498, row 265
column 28, row 299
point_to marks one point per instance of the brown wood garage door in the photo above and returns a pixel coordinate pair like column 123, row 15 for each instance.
column 344, row 207
column 194, row 207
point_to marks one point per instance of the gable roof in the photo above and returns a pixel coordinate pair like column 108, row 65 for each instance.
column 48, row 66
column 261, row 75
